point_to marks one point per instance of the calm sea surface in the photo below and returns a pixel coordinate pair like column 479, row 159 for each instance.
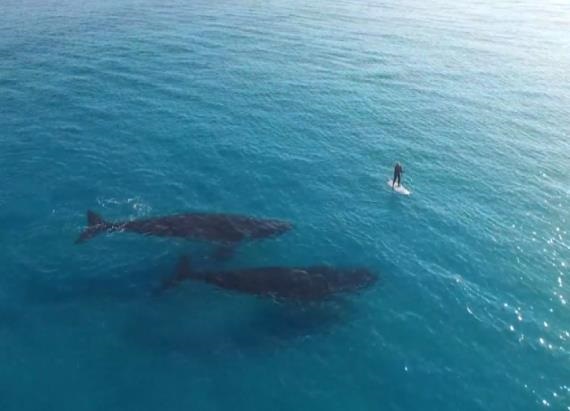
column 294, row 110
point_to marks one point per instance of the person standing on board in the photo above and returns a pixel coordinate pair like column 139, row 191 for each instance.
column 398, row 170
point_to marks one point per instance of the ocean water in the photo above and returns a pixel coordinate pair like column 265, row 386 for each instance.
column 294, row 110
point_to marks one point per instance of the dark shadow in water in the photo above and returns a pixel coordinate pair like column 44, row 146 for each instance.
column 284, row 323
column 267, row 326
column 195, row 319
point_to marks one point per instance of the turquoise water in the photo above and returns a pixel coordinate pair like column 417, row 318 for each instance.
column 293, row 110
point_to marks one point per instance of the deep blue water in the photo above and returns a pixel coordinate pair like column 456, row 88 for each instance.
column 294, row 110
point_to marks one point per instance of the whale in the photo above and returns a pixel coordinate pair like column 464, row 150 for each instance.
column 311, row 283
column 225, row 229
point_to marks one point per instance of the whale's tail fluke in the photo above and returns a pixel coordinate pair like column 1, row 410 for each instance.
column 95, row 225
column 183, row 272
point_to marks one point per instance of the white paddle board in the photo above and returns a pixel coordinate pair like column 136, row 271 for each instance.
column 400, row 190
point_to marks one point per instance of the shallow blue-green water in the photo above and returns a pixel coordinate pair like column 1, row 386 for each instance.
column 293, row 110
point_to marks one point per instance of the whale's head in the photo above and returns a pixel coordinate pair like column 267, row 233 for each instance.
column 362, row 278
column 351, row 279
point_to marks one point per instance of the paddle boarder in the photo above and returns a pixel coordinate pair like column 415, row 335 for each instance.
column 398, row 170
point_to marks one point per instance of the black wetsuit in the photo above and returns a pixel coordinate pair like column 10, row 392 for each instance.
column 397, row 175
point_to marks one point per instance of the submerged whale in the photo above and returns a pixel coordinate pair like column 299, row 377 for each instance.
column 288, row 283
column 228, row 229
